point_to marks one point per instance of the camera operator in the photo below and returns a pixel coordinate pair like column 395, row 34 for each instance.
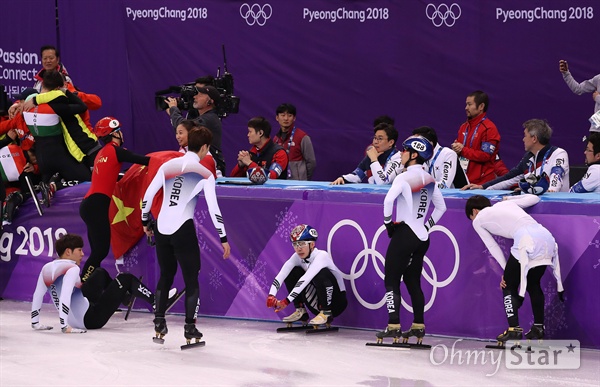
column 205, row 102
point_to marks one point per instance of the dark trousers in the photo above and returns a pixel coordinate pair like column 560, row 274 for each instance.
column 512, row 301
column 94, row 212
column 180, row 247
column 404, row 261
column 322, row 293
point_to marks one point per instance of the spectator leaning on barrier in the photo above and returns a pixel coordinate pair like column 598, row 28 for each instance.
column 544, row 167
column 265, row 160
column 588, row 86
column 296, row 143
column 590, row 182
column 382, row 163
column 478, row 140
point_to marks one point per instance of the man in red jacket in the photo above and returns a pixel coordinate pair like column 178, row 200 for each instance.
column 478, row 140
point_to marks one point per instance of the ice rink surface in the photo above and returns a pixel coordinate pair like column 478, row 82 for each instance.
column 248, row 353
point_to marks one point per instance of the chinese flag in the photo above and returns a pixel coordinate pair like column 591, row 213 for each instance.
column 125, row 207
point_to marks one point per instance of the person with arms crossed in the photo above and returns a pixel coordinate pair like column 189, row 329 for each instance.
column 413, row 191
column 312, row 279
column 76, row 312
column 533, row 249
column 181, row 180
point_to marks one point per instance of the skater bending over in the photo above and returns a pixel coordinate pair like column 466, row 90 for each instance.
column 413, row 191
column 533, row 249
column 76, row 312
column 313, row 280
column 181, row 180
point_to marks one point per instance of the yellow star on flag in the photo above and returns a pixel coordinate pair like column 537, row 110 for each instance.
column 122, row 211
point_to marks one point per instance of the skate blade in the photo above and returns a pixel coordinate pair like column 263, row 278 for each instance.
column 316, row 329
column 293, row 329
column 158, row 340
column 188, row 346
column 392, row 345
column 419, row 346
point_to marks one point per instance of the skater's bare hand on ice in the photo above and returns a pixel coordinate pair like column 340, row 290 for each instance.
column 226, row 250
column 502, row 283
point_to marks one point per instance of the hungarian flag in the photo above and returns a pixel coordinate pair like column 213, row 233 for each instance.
column 12, row 162
column 125, row 207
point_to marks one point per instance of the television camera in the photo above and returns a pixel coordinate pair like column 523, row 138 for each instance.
column 228, row 104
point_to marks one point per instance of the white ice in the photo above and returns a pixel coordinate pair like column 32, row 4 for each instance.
column 245, row 353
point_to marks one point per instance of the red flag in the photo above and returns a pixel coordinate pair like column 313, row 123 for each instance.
column 125, row 207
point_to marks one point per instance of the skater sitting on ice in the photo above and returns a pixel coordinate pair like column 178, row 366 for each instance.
column 533, row 249
column 76, row 312
column 313, row 280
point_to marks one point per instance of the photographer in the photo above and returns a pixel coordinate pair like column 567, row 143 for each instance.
column 206, row 100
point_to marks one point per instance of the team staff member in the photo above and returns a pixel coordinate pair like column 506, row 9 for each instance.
column 312, row 279
column 265, row 157
column 543, row 167
column 533, row 249
column 297, row 144
column 382, row 163
column 181, row 180
column 94, row 207
column 61, row 279
column 413, row 191
column 590, row 182
column 478, row 140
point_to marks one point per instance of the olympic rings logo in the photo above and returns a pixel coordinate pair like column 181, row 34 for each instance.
column 256, row 14
column 362, row 258
column 443, row 14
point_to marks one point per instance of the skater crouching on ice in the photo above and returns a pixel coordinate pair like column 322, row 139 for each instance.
column 313, row 280
column 76, row 312
column 413, row 191
column 533, row 249
column 181, row 180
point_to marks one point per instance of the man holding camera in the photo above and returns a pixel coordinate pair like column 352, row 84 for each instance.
column 206, row 100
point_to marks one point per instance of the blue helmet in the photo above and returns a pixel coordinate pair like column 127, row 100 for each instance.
column 303, row 232
column 533, row 184
column 419, row 144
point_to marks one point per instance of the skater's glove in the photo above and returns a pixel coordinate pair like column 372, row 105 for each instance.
column 40, row 327
column 390, row 227
column 282, row 304
column 69, row 329
column 271, row 301
column 561, row 296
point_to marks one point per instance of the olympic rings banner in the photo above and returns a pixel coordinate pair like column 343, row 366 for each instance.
column 342, row 63
column 460, row 278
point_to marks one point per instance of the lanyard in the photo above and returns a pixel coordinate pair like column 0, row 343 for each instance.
column 543, row 162
column 287, row 150
column 474, row 133
column 393, row 152
column 433, row 161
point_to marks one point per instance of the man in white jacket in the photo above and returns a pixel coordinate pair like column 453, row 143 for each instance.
column 533, row 249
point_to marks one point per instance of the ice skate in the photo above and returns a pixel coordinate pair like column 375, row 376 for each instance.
column 191, row 332
column 299, row 314
column 324, row 317
column 417, row 330
column 512, row 334
column 160, row 329
column 46, row 192
column 535, row 333
column 392, row 330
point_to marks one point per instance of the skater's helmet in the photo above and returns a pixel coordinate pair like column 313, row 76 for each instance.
column 419, row 144
column 303, row 232
column 106, row 126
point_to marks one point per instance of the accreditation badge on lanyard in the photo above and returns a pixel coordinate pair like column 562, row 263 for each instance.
column 464, row 162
